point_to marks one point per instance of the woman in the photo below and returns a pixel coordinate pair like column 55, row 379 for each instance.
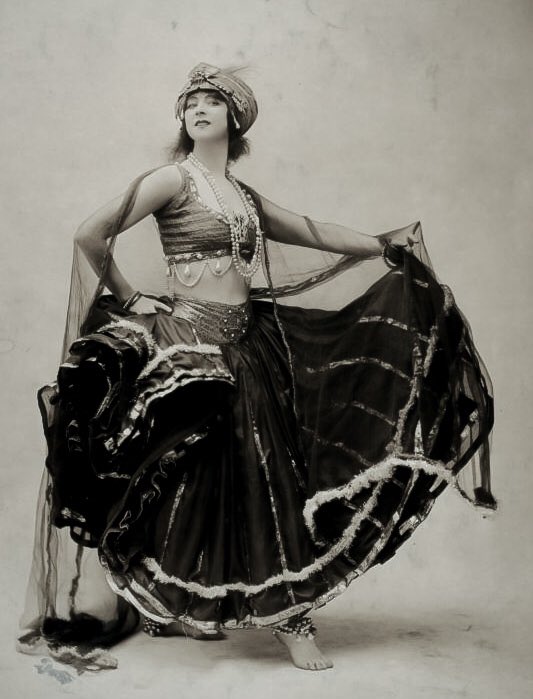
column 236, row 462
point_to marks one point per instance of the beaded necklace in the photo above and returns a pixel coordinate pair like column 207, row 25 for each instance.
column 238, row 224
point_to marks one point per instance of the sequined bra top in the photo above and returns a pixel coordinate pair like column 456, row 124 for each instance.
column 190, row 230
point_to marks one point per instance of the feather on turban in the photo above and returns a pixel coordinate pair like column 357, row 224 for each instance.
column 240, row 98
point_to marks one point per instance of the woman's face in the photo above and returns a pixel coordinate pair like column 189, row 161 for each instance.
column 206, row 115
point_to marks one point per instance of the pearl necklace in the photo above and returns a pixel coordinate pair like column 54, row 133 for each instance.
column 236, row 224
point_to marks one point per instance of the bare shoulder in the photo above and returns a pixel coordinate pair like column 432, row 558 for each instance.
column 158, row 187
column 166, row 181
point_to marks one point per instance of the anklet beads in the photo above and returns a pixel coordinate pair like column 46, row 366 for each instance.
column 297, row 627
column 152, row 628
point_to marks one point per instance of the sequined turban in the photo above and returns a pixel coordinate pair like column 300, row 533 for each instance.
column 240, row 98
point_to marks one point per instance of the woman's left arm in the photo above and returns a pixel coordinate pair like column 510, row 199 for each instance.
column 285, row 226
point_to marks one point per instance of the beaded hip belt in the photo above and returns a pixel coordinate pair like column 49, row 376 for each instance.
column 219, row 323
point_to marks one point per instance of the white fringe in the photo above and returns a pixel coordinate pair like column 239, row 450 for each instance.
column 378, row 474
column 134, row 327
column 163, row 355
column 164, row 616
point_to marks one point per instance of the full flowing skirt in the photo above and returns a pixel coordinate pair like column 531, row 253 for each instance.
column 237, row 479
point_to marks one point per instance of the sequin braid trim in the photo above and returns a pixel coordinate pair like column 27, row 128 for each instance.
column 394, row 323
column 366, row 409
column 174, row 382
column 339, row 445
column 175, row 505
column 357, row 360
column 420, row 369
column 378, row 474
column 264, row 464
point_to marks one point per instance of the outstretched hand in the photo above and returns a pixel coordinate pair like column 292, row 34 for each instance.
column 393, row 253
column 147, row 305
column 397, row 243
column 407, row 237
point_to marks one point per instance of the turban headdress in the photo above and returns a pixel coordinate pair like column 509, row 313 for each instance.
column 239, row 96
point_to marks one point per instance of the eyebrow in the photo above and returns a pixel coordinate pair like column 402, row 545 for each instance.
column 209, row 93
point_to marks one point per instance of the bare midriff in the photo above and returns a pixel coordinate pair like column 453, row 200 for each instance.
column 197, row 243
column 230, row 288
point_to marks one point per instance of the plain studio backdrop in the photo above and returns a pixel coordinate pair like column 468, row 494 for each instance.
column 372, row 114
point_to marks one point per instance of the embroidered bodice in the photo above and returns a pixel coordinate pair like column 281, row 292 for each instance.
column 190, row 230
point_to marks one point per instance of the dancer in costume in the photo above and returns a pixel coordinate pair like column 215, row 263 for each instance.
column 222, row 458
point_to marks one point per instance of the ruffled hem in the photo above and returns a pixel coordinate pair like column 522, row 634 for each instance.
column 380, row 473
column 152, row 607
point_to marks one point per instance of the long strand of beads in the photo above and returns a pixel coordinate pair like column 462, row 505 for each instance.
column 245, row 269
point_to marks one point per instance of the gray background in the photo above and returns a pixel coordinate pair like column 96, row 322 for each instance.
column 372, row 114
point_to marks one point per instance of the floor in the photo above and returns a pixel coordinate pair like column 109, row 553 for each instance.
column 420, row 652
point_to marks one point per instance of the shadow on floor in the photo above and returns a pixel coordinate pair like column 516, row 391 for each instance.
column 431, row 636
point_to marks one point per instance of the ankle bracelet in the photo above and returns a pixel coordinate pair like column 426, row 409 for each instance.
column 297, row 627
column 152, row 628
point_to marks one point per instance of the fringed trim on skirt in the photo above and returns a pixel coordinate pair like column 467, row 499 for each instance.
column 152, row 608
column 378, row 474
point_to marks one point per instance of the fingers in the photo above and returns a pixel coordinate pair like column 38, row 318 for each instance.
column 162, row 307
column 148, row 304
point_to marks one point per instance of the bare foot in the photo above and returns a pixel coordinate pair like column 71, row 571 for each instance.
column 180, row 628
column 304, row 652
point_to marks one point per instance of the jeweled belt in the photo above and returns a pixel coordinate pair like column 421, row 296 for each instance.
column 220, row 323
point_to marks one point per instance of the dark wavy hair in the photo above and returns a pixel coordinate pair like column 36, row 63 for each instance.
column 237, row 145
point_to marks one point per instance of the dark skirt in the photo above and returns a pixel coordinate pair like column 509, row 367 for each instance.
column 236, row 466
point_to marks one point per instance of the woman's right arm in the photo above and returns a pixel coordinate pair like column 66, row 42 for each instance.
column 154, row 191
